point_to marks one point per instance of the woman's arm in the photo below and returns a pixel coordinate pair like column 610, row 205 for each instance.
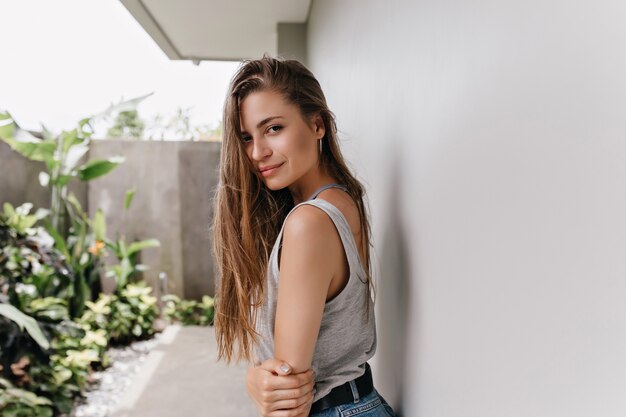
column 311, row 249
column 278, row 393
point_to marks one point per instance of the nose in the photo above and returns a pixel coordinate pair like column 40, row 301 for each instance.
column 260, row 150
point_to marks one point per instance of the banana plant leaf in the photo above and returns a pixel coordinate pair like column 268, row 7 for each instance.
column 128, row 199
column 143, row 244
column 98, row 167
column 25, row 322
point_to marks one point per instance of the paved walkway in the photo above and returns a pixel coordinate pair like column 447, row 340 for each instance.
column 181, row 377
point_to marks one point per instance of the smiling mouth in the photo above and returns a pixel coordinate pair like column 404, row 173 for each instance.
column 270, row 168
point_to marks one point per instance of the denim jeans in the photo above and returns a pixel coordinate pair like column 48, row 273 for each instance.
column 372, row 405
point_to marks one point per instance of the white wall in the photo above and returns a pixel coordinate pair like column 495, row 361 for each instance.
column 492, row 139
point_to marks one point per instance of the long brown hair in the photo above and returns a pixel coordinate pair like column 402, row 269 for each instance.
column 248, row 215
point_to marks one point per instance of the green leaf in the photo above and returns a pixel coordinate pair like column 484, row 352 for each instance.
column 123, row 254
column 9, row 211
column 7, row 126
column 81, row 234
column 96, row 168
column 19, row 218
column 61, row 374
column 114, row 246
column 84, row 121
column 128, row 199
column 62, row 180
column 68, row 137
column 207, row 301
column 58, row 239
column 99, row 225
column 137, row 246
column 49, row 307
column 71, row 198
column 31, row 147
column 27, row 400
column 25, row 322
column 125, row 271
column 27, row 222
column 122, row 271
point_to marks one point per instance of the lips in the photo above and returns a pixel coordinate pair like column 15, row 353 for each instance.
column 270, row 167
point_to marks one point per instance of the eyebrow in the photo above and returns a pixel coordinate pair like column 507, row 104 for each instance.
column 262, row 122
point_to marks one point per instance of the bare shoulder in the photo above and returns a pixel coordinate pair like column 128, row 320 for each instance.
column 310, row 223
column 309, row 236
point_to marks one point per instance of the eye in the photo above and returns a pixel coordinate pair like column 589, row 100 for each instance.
column 245, row 138
column 278, row 127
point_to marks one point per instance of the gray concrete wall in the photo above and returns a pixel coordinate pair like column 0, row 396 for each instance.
column 292, row 41
column 19, row 181
column 174, row 182
column 491, row 139
column 198, row 177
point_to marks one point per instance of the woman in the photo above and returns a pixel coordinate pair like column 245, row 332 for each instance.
column 287, row 204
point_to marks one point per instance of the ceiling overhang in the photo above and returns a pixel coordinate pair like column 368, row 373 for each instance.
column 226, row 30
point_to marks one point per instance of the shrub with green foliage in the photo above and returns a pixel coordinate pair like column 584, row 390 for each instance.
column 188, row 312
column 125, row 317
column 57, row 370
column 51, row 335
column 28, row 261
column 17, row 402
column 46, row 351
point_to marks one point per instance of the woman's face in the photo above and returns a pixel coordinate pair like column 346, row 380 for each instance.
column 276, row 136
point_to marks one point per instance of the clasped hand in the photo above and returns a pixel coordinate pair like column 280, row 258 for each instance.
column 277, row 392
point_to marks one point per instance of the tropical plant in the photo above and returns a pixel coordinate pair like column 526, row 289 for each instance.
column 20, row 220
column 29, row 264
column 18, row 402
column 57, row 370
column 126, row 316
column 126, row 253
column 40, row 347
column 64, row 372
column 62, row 154
column 23, row 322
column 188, row 312
column 83, row 252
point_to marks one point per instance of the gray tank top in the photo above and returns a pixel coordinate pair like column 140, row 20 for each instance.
column 345, row 340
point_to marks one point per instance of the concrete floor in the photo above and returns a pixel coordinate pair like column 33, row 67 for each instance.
column 181, row 377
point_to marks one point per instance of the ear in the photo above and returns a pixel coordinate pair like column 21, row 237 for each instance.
column 318, row 126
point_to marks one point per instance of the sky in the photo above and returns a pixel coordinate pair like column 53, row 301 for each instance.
column 64, row 60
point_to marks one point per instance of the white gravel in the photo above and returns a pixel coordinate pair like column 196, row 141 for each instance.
column 110, row 384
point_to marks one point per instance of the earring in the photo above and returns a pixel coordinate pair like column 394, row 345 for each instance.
column 321, row 145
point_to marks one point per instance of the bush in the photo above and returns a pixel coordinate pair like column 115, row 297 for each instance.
column 188, row 312
column 19, row 402
column 125, row 317
column 57, row 370
column 48, row 348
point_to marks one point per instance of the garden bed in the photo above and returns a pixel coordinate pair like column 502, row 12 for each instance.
column 107, row 387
